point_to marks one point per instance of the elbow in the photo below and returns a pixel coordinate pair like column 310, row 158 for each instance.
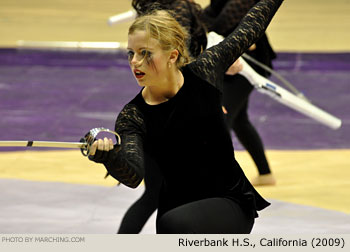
column 133, row 181
column 134, row 185
column 126, row 177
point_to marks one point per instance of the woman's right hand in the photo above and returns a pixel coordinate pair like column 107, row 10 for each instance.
column 100, row 148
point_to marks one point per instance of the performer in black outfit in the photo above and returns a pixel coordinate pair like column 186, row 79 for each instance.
column 176, row 121
column 187, row 13
column 222, row 17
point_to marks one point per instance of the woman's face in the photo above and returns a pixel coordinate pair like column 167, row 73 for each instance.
column 148, row 62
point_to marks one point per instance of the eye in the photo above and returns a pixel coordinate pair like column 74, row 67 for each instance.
column 130, row 55
column 146, row 53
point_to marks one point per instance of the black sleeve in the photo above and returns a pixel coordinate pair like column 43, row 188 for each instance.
column 223, row 16
column 125, row 163
column 214, row 62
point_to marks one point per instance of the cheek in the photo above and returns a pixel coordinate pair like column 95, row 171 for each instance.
column 158, row 65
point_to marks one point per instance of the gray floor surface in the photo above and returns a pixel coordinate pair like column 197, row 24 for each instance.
column 60, row 208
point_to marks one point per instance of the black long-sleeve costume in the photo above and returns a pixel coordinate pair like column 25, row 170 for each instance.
column 187, row 136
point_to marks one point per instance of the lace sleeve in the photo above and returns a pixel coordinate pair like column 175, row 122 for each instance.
column 223, row 17
column 213, row 63
column 127, row 164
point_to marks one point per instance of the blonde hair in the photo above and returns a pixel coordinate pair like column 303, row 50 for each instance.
column 160, row 25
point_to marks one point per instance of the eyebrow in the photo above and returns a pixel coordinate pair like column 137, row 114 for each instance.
column 141, row 48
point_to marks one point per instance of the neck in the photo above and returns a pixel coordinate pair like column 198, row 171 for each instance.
column 157, row 94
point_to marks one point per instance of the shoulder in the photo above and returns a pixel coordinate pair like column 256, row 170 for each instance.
column 130, row 116
column 199, row 80
column 190, row 75
column 198, row 72
column 130, row 112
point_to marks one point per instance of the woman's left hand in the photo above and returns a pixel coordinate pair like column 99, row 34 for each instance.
column 235, row 68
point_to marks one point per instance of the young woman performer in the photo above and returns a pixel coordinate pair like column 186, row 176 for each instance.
column 187, row 13
column 222, row 17
column 176, row 121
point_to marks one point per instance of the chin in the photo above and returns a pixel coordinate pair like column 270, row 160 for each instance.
column 141, row 83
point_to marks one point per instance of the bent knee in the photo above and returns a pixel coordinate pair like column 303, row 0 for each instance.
column 171, row 223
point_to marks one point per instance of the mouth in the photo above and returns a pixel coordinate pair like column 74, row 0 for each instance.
column 139, row 74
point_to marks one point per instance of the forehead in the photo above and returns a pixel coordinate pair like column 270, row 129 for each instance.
column 140, row 39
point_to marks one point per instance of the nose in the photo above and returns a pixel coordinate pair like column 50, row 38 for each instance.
column 134, row 61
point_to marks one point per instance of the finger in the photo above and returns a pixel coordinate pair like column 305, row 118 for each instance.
column 100, row 145
column 93, row 148
column 224, row 109
column 240, row 67
column 111, row 145
column 106, row 144
column 252, row 47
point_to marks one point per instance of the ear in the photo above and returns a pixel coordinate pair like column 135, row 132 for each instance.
column 174, row 54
